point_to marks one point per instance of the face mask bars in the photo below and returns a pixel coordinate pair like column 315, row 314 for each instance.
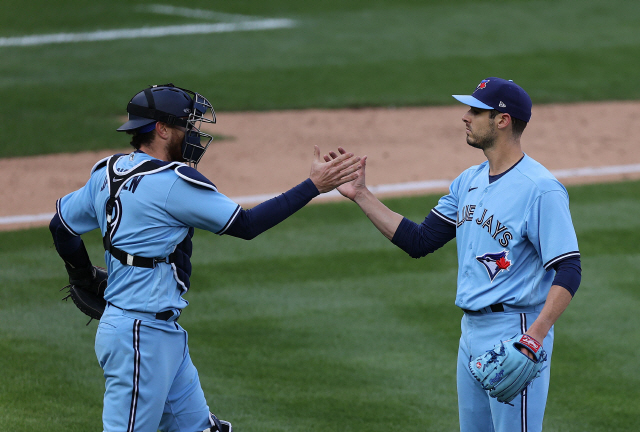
column 193, row 145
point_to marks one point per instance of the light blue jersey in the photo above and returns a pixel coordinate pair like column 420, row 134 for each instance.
column 505, row 247
column 157, row 211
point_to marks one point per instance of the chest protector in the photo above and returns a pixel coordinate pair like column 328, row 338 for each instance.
column 179, row 259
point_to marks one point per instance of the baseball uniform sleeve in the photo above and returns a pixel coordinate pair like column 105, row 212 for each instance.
column 420, row 240
column 200, row 207
column 447, row 208
column 77, row 212
column 550, row 229
column 568, row 274
column 253, row 222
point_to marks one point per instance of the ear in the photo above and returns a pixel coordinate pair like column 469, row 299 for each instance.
column 503, row 120
column 162, row 130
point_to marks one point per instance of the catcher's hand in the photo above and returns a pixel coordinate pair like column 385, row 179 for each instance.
column 505, row 370
column 86, row 289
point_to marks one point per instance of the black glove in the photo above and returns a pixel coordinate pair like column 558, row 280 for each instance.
column 86, row 289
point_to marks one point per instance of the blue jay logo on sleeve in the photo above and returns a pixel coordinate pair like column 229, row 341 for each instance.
column 495, row 263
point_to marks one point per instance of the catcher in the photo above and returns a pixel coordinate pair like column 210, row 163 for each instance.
column 146, row 205
column 518, row 261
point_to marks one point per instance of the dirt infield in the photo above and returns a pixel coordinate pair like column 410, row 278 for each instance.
column 268, row 152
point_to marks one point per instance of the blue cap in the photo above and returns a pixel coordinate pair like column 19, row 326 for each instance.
column 502, row 95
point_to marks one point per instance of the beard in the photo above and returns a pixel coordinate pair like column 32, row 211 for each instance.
column 175, row 149
column 482, row 142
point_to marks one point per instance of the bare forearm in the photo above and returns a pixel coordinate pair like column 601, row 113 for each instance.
column 383, row 218
column 557, row 301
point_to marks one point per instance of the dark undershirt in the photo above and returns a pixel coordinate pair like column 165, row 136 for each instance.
column 69, row 246
column 250, row 223
column 493, row 178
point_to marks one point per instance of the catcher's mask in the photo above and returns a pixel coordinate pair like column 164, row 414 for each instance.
column 174, row 106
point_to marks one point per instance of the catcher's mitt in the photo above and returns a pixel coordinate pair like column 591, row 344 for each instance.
column 505, row 370
column 86, row 289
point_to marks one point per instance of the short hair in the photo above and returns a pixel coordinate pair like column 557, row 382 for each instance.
column 517, row 125
column 138, row 139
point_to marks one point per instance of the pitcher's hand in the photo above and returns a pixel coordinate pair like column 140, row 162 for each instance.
column 352, row 188
column 331, row 173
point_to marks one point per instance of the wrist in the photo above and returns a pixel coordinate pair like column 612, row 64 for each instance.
column 313, row 189
column 318, row 186
column 80, row 275
column 537, row 333
column 361, row 195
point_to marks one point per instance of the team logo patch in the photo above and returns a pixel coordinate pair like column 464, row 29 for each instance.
column 495, row 263
column 482, row 85
column 479, row 365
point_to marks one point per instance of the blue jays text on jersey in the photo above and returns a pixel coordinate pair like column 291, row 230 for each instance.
column 509, row 233
column 485, row 222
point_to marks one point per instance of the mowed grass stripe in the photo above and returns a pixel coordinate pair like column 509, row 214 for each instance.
column 438, row 30
column 373, row 36
column 341, row 54
column 85, row 116
column 321, row 321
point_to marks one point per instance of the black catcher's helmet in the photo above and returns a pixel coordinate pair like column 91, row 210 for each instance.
column 176, row 107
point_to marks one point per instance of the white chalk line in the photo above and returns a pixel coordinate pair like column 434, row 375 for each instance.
column 419, row 186
column 194, row 13
column 147, row 32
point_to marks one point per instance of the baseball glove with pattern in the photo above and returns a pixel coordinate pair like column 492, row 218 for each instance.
column 505, row 371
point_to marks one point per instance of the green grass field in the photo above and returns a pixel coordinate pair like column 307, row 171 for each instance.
column 68, row 97
column 321, row 324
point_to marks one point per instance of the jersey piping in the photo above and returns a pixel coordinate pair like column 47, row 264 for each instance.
column 443, row 217
column 101, row 163
column 194, row 181
column 230, row 221
column 559, row 258
column 59, row 211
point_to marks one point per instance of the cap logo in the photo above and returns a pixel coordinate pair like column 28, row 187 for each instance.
column 187, row 110
column 482, row 85
column 502, row 105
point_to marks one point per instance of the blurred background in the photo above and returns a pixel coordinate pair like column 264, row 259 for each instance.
column 325, row 53
column 296, row 331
